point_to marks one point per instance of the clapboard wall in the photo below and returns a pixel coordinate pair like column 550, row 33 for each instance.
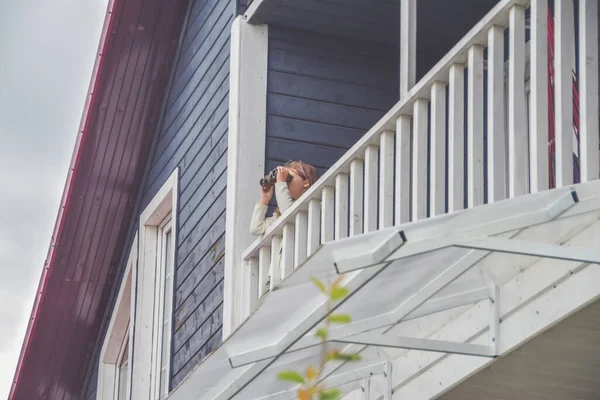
column 324, row 93
column 193, row 137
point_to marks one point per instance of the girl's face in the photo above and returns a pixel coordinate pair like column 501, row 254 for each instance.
column 298, row 185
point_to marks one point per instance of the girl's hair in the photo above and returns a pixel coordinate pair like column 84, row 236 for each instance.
column 305, row 171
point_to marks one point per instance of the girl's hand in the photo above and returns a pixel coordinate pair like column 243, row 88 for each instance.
column 282, row 174
column 266, row 194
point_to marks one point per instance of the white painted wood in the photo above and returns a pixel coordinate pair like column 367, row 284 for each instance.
column 588, row 89
column 419, row 160
column 437, row 188
column 496, row 142
column 538, row 104
column 456, row 138
column 264, row 264
column 301, row 238
column 357, row 168
column 275, row 269
column 403, row 139
column 251, row 289
column 517, row 112
column 146, row 283
column 475, row 127
column 371, row 172
column 327, row 214
column 341, row 206
column 386, row 180
column 564, row 54
column 314, row 226
column 408, row 46
column 245, row 151
column 287, row 253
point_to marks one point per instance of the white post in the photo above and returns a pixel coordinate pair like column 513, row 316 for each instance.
column 357, row 167
column 300, row 244
column 341, row 206
column 456, row 138
column 538, row 130
column 327, row 206
column 246, row 152
column 517, row 114
column 496, row 143
column 371, row 165
column 403, row 138
column 563, row 60
column 386, row 179
column 419, row 160
column 437, row 168
column 475, row 127
column 408, row 45
column 588, row 89
column 314, row 226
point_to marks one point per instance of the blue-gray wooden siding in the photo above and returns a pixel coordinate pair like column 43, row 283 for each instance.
column 324, row 93
column 193, row 137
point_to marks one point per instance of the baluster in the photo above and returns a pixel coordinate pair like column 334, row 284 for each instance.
column 250, row 288
column 274, row 269
column 563, row 86
column 327, row 204
column 496, row 141
column 264, row 262
column 371, row 162
column 314, row 226
column 538, row 103
column 301, row 238
column 419, row 160
column 517, row 113
column 287, row 254
column 475, row 127
column 588, row 89
column 456, row 135
column 356, row 196
column 403, row 138
column 437, row 188
column 341, row 206
column 386, row 180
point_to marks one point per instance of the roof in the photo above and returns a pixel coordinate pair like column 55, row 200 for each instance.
column 395, row 275
column 137, row 47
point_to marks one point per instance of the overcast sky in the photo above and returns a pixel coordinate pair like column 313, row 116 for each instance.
column 47, row 51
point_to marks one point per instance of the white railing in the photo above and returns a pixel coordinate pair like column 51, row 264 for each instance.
column 383, row 179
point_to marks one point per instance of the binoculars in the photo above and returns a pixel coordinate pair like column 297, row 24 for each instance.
column 270, row 179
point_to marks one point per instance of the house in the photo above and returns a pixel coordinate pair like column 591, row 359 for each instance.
column 456, row 198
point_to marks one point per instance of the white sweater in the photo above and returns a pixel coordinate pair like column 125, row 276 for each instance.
column 259, row 223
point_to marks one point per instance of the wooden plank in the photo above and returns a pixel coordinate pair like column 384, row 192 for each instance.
column 408, row 46
column 419, row 160
column 496, row 141
column 327, row 214
column 588, row 89
column 275, row 270
column 264, row 262
column 301, row 238
column 250, row 287
column 341, row 206
column 456, row 138
column 403, row 138
column 386, row 179
column 314, row 226
column 313, row 132
column 475, row 127
column 287, row 250
column 563, row 90
column 371, row 164
column 437, row 167
column 357, row 168
column 538, row 103
column 316, row 155
column 517, row 111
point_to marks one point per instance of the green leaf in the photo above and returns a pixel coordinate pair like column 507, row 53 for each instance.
column 330, row 394
column 338, row 293
column 347, row 357
column 321, row 333
column 340, row 319
column 319, row 284
column 290, row 376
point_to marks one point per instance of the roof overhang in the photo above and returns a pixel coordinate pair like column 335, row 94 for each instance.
column 394, row 276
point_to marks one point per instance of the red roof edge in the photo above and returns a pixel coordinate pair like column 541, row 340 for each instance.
column 64, row 203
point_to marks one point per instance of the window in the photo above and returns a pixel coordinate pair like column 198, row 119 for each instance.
column 153, row 288
column 114, row 371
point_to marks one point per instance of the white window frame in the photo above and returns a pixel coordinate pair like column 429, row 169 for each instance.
column 156, row 220
column 118, row 334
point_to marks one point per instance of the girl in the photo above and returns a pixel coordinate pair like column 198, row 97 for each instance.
column 303, row 176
